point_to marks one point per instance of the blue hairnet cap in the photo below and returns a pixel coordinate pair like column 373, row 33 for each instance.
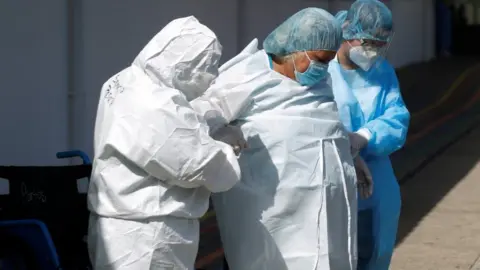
column 341, row 16
column 310, row 29
column 368, row 19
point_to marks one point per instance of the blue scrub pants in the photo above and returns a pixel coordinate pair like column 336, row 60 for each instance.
column 377, row 232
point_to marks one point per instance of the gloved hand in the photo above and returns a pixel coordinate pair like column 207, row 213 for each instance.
column 231, row 135
column 364, row 178
column 358, row 142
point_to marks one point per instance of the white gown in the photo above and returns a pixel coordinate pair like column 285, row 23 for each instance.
column 296, row 204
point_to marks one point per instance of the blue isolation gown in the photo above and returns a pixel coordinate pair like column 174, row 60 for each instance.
column 371, row 101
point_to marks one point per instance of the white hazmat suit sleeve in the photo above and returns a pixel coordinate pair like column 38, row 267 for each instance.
column 171, row 143
column 220, row 106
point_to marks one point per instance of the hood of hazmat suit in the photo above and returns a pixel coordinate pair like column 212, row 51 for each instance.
column 155, row 164
column 295, row 206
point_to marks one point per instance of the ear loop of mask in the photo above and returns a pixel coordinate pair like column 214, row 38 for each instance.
column 309, row 59
column 294, row 66
column 293, row 61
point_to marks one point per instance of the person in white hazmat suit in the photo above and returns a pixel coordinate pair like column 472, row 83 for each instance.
column 155, row 164
column 296, row 204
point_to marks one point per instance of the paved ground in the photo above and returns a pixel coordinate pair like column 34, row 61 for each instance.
column 440, row 222
column 443, row 97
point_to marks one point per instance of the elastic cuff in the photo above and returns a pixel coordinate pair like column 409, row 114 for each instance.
column 365, row 133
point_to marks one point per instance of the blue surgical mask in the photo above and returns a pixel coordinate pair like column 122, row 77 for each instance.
column 315, row 73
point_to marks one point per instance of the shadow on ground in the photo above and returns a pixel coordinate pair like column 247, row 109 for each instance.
column 435, row 178
column 425, row 177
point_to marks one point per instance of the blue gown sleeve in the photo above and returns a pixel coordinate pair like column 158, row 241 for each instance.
column 389, row 130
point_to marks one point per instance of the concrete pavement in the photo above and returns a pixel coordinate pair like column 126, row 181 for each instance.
column 443, row 97
column 440, row 221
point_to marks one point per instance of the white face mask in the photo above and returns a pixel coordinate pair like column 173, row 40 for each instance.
column 364, row 58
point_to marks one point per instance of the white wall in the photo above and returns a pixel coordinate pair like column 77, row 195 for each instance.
column 337, row 5
column 33, row 80
column 108, row 35
column 259, row 18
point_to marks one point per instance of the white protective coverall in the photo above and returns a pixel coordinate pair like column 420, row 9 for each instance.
column 155, row 163
column 295, row 206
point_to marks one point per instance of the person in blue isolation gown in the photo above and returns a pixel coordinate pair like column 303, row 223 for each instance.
column 371, row 107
